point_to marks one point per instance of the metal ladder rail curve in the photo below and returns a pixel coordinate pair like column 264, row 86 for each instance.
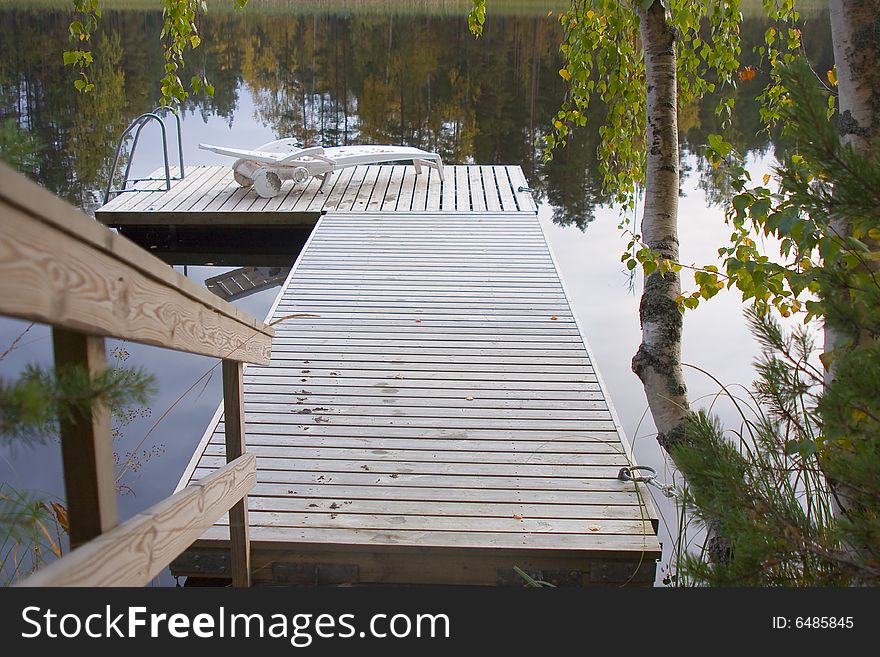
column 138, row 125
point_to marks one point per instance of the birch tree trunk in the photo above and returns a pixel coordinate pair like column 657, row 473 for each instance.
column 855, row 36
column 854, row 33
column 658, row 360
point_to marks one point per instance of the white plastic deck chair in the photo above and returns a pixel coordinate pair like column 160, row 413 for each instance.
column 265, row 167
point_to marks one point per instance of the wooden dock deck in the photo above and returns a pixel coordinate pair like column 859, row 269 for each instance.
column 437, row 418
column 209, row 195
column 207, row 217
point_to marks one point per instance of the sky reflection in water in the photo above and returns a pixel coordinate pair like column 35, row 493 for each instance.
column 486, row 104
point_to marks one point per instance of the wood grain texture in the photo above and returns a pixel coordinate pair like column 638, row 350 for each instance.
column 138, row 549
column 209, row 195
column 86, row 444
column 234, row 448
column 442, row 395
column 642, row 543
column 440, row 481
column 59, row 267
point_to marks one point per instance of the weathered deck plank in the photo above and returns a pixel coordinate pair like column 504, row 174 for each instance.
column 208, row 194
column 439, row 395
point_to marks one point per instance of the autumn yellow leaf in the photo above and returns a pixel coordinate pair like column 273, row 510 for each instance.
column 557, row 124
column 564, row 74
column 832, row 76
column 766, row 178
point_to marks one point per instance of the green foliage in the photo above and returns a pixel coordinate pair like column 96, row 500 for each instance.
column 100, row 116
column 850, row 409
column 767, row 492
column 180, row 33
column 88, row 12
column 18, row 147
column 31, row 406
column 802, row 211
column 782, row 41
column 818, row 446
column 604, row 61
column 477, row 17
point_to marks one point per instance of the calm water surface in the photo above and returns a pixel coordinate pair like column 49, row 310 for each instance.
column 365, row 78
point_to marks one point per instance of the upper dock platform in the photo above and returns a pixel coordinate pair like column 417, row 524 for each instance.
column 208, row 218
column 209, row 195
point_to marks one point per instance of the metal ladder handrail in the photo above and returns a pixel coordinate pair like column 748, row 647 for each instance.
column 137, row 125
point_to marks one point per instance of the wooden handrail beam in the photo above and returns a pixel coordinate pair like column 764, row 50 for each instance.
column 138, row 549
column 60, row 267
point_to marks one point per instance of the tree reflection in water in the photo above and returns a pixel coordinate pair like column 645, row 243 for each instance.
column 342, row 79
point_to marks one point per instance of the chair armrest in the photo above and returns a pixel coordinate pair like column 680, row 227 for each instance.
column 316, row 152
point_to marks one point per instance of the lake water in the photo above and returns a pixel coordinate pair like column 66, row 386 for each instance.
column 392, row 74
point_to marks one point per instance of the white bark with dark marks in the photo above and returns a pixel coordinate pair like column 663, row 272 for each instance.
column 658, row 360
column 855, row 35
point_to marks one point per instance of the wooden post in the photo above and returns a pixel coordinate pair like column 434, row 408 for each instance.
column 86, row 445
column 233, row 410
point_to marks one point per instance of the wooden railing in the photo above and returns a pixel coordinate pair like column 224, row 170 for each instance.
column 60, row 267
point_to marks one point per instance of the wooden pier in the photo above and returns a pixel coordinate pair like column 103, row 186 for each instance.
column 431, row 413
column 208, row 195
column 207, row 217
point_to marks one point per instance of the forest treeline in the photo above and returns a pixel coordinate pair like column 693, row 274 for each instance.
column 451, row 8
column 329, row 79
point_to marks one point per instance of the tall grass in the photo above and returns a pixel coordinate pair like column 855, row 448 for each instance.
column 32, row 531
